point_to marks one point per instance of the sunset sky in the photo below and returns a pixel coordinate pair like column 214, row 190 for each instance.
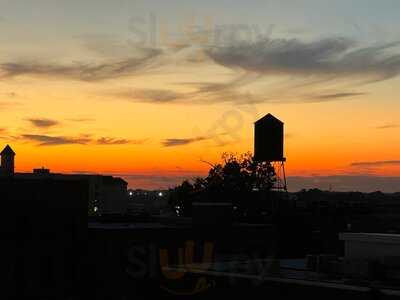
column 146, row 90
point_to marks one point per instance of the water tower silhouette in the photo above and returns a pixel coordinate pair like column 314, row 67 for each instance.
column 7, row 161
column 268, row 147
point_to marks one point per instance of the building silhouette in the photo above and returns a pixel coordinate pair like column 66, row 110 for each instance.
column 7, row 161
column 105, row 194
column 43, row 223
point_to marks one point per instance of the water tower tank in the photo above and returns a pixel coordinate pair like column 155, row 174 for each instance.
column 268, row 140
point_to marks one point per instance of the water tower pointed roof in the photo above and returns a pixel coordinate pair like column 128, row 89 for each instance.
column 269, row 118
column 7, row 151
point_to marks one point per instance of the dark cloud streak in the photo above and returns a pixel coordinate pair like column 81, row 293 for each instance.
column 375, row 163
column 388, row 126
column 335, row 96
column 81, row 119
column 43, row 123
column 114, row 141
column 46, row 140
column 151, row 95
column 173, row 142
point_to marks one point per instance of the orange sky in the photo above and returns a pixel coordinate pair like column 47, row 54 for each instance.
column 91, row 99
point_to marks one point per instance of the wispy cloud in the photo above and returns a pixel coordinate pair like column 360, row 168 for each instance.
column 375, row 163
column 84, row 139
column 115, row 141
column 46, row 140
column 282, row 92
column 173, row 142
column 43, row 123
column 108, row 69
column 10, row 95
column 151, row 95
column 80, row 119
column 332, row 97
column 388, row 126
column 331, row 58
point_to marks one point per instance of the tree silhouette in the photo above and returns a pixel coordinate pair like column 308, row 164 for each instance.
column 233, row 181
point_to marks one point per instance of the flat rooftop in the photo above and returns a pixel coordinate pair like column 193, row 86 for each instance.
column 158, row 225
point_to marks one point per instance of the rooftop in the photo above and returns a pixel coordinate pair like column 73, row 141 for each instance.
column 7, row 150
column 269, row 118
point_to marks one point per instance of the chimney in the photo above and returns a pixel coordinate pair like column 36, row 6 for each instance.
column 7, row 161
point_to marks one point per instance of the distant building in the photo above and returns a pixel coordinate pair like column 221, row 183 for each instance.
column 41, row 171
column 148, row 202
column 106, row 194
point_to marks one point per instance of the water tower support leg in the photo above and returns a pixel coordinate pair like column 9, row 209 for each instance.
column 284, row 176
